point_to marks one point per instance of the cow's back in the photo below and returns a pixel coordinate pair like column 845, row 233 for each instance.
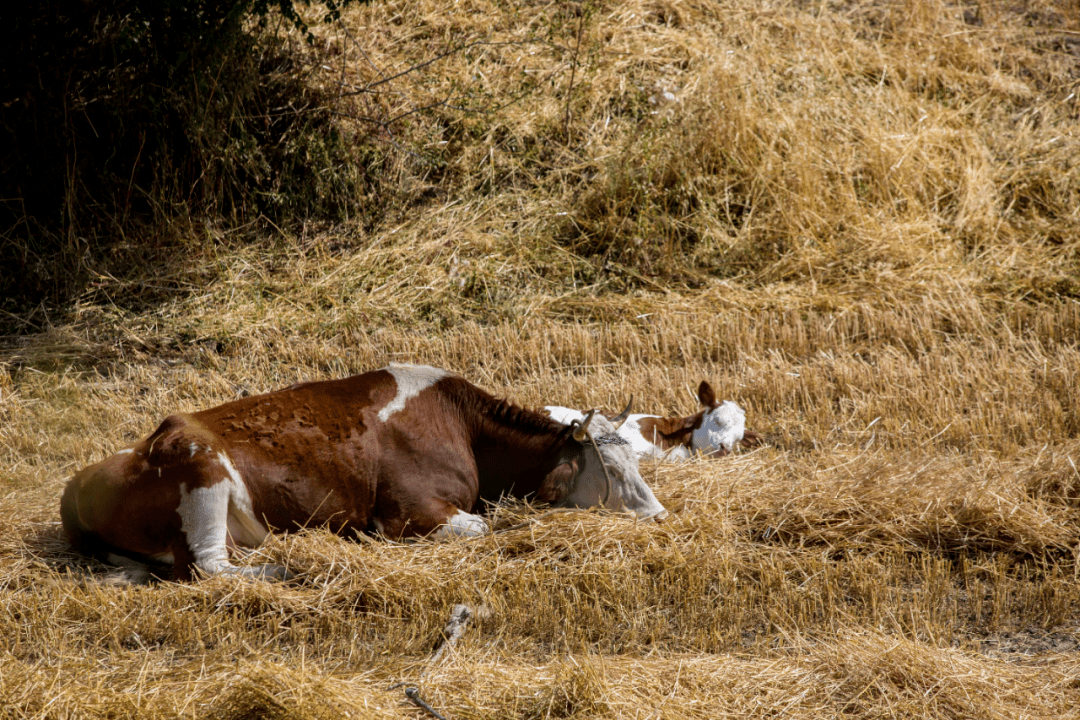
column 309, row 453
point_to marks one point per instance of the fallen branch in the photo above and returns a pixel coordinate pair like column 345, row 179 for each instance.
column 455, row 628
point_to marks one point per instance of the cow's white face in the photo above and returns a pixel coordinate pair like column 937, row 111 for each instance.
column 628, row 492
column 721, row 429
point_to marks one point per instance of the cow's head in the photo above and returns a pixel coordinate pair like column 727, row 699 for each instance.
column 722, row 424
column 600, row 468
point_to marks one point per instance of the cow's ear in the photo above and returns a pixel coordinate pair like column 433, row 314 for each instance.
column 557, row 483
column 706, row 395
column 565, row 435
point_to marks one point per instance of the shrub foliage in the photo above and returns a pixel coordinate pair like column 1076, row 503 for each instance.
column 114, row 114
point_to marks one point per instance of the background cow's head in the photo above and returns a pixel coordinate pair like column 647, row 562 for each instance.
column 722, row 426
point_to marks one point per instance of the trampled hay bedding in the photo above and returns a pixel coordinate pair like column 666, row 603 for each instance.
column 857, row 220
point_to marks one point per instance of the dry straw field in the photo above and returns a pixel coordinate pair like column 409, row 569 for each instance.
column 857, row 219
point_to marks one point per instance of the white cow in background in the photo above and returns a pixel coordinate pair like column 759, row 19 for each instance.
column 714, row 430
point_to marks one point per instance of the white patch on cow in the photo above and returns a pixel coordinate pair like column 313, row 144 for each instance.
column 126, row 451
column 647, row 447
column 244, row 527
column 209, row 514
column 629, row 491
column 722, row 427
column 411, row 381
column 564, row 415
column 630, row 431
column 204, row 516
column 462, row 524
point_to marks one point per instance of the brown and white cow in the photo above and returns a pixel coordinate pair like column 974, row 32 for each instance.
column 714, row 430
column 403, row 451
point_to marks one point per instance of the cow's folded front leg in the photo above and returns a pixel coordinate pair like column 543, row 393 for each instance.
column 203, row 543
column 462, row 524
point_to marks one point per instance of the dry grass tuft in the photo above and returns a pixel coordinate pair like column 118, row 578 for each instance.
column 857, row 220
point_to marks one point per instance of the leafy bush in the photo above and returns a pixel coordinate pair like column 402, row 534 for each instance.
column 116, row 115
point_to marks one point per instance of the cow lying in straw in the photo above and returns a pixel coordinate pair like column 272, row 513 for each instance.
column 715, row 430
column 403, row 451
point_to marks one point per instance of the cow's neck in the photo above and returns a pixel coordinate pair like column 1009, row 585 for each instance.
column 515, row 449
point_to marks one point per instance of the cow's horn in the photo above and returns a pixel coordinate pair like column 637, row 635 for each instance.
column 582, row 429
column 621, row 417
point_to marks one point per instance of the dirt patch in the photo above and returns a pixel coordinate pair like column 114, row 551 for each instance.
column 1028, row 642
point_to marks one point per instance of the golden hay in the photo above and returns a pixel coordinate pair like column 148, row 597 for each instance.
column 858, row 220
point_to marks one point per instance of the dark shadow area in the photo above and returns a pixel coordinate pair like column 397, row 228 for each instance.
column 125, row 126
column 46, row 546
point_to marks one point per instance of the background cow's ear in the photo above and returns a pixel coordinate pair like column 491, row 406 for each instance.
column 558, row 482
column 706, row 395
